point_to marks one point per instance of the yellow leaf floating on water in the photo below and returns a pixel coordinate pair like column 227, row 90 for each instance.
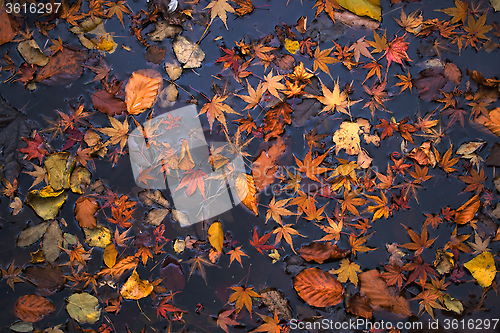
column 370, row 8
column 482, row 268
column 135, row 288
column 292, row 46
column 216, row 236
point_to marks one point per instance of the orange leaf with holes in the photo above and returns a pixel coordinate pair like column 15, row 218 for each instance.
column 318, row 288
column 32, row 308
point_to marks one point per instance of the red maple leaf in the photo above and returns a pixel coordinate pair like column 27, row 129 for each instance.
column 164, row 307
column 230, row 59
column 259, row 243
column 193, row 179
column 35, row 148
column 396, row 51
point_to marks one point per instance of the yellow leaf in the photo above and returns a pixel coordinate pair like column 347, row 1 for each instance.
column 370, row 8
column 110, row 255
column 482, row 268
column 99, row 236
column 347, row 137
column 292, row 46
column 141, row 91
column 245, row 189
column 347, row 271
column 216, row 236
column 135, row 288
column 219, row 8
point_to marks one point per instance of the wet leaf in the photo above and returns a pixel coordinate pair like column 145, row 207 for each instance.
column 84, row 308
column 85, row 209
column 109, row 255
column 135, row 288
column 31, row 235
column 52, row 241
column 99, row 236
column 370, row 8
column 188, row 53
column 141, row 91
column 63, row 67
column 80, row 179
column 219, row 8
column 246, row 191
column 216, row 236
column 318, row 288
column 276, row 301
column 59, row 167
column 172, row 274
column 31, row 53
column 483, row 268
column 32, row 308
column 243, row 298
column 22, row 326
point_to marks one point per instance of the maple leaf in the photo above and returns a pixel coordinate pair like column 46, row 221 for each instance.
column 378, row 97
column 411, row 23
column 356, row 243
column 260, row 243
column 429, row 302
column 321, row 59
column 419, row 242
column 121, row 238
column 351, row 201
column 475, row 181
column 230, row 59
column 223, row 319
column 381, row 208
column 236, row 255
column 163, row 307
column 35, row 148
column 361, row 48
column 40, row 175
column 276, row 210
column 476, row 29
column 312, row 213
column 57, row 47
column 215, row 110
column 420, row 269
column 118, row 133
column 300, row 74
column 243, row 298
column 396, row 51
column 264, row 167
column 12, row 274
column 379, row 43
column 347, row 271
column 335, row 99
column 246, row 7
column 389, row 128
column 433, row 220
column 286, row 231
column 198, row 263
column 254, row 96
column 246, row 124
column 193, row 179
column 445, row 163
column 333, row 230
column 420, row 174
column 405, row 82
column 117, row 8
column 458, row 13
column 272, row 84
column 311, row 167
column 70, row 14
column 394, row 275
column 270, row 325
column 479, row 245
column 375, row 68
column 219, row 8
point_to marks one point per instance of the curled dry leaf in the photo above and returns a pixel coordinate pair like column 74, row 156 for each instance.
column 318, row 288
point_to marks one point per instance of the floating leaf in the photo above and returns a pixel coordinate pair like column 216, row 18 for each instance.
column 52, row 241
column 135, row 288
column 84, row 308
column 370, row 8
column 45, row 204
column 110, row 255
column 483, row 268
column 31, row 52
column 22, row 327
column 318, row 288
column 99, row 236
column 80, row 178
column 32, row 308
column 188, row 53
column 141, row 90
column 31, row 235
column 216, row 236
column 85, row 209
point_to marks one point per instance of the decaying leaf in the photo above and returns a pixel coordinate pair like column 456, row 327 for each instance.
column 135, row 288
column 32, row 308
column 188, row 53
column 84, row 308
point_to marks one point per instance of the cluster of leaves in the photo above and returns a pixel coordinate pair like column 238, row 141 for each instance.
column 287, row 92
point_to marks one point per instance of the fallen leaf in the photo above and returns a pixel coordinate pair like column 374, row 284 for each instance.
column 141, row 91
column 188, row 53
column 318, row 288
column 84, row 308
column 32, row 308
column 216, row 236
column 135, row 288
column 483, row 268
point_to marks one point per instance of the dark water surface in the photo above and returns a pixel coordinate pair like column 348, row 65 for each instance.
column 259, row 271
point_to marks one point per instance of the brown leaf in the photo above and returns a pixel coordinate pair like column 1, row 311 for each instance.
column 375, row 288
column 48, row 279
column 319, row 252
column 107, row 103
column 318, row 288
column 264, row 167
column 155, row 54
column 85, row 210
column 32, row 308
column 63, row 67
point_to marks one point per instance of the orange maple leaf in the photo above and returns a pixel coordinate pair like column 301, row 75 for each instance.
column 311, row 167
column 215, row 110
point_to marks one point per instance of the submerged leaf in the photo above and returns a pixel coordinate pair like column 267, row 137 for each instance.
column 84, row 308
